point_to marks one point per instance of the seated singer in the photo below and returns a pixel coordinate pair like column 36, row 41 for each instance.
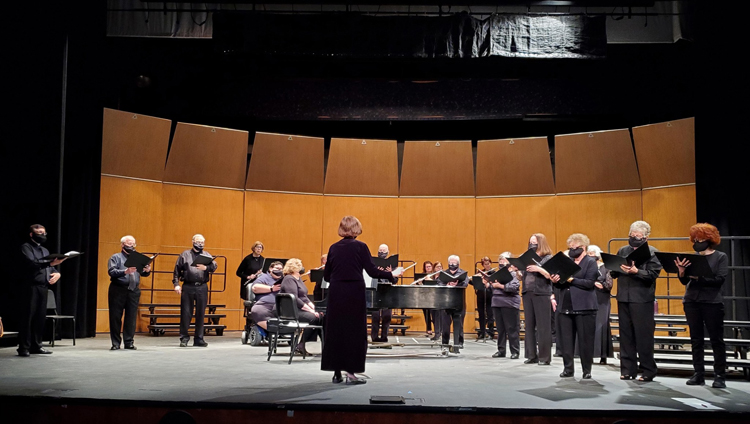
column 458, row 326
column 292, row 283
column 265, row 288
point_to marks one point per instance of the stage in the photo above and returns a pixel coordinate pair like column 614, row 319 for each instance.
column 230, row 376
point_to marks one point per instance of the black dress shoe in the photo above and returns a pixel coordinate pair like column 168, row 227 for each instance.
column 531, row 361
column 131, row 347
column 514, row 356
column 696, row 380
column 566, row 374
column 603, row 361
column 41, row 351
column 183, row 343
column 115, row 347
column 200, row 344
column 337, row 379
column 498, row 355
column 587, row 376
column 544, row 363
column 24, row 353
column 646, row 379
column 626, row 377
column 719, row 382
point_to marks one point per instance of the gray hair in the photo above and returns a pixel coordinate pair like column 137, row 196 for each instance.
column 580, row 238
column 126, row 238
column 454, row 257
column 596, row 249
column 640, row 227
column 199, row 235
column 505, row 255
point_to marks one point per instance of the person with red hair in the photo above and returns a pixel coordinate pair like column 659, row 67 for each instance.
column 704, row 304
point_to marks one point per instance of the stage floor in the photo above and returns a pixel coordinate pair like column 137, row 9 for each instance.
column 230, row 373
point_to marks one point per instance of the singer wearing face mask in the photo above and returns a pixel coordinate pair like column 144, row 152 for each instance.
column 124, row 294
column 537, row 308
column 506, row 303
column 635, row 303
column 265, row 288
column 39, row 274
column 577, row 307
column 704, row 304
column 292, row 283
column 381, row 318
column 454, row 268
column 194, row 290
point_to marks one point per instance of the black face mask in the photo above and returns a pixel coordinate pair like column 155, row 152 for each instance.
column 277, row 272
column 700, row 246
column 198, row 248
column 452, row 267
column 302, row 270
column 39, row 238
column 533, row 246
column 635, row 242
column 128, row 249
column 575, row 253
column 382, row 255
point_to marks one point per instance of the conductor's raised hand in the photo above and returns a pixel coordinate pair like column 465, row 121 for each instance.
column 397, row 272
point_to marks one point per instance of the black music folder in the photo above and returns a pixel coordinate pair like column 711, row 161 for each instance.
column 138, row 260
column 699, row 266
column 528, row 258
column 561, row 265
column 203, row 260
column 52, row 256
column 477, row 282
column 502, row 276
column 447, row 277
column 418, row 275
column 639, row 256
column 268, row 261
column 391, row 261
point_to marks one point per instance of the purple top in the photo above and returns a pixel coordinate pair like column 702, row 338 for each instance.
column 508, row 297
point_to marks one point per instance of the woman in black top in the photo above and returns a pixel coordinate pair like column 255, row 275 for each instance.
column 603, row 347
column 577, row 307
column 537, row 309
column 292, row 283
column 704, row 304
column 484, row 304
column 251, row 267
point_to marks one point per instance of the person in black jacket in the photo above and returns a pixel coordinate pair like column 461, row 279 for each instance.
column 251, row 267
column 704, row 304
column 537, row 308
column 124, row 294
column 636, row 288
column 577, row 307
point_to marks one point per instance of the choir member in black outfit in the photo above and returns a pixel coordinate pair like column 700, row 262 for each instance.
column 537, row 309
column 265, row 288
column 381, row 318
column 603, row 348
column 484, row 304
column 38, row 274
column 454, row 264
column 346, row 321
column 636, row 288
column 292, row 283
column 427, row 269
column 124, row 294
column 318, row 289
column 194, row 290
column 251, row 267
column 506, row 304
column 577, row 307
column 436, row 314
column 704, row 304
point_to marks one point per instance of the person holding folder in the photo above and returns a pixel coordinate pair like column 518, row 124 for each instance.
column 265, row 288
column 484, row 304
column 536, row 295
column 194, row 290
column 577, row 307
column 39, row 273
column 506, row 304
column 704, row 304
column 636, row 286
column 251, row 267
column 603, row 348
column 381, row 318
column 454, row 269
column 124, row 294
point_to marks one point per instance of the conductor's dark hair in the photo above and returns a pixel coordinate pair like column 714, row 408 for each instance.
column 36, row 227
column 350, row 227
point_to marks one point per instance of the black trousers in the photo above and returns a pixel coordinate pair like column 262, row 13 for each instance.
column 193, row 297
column 580, row 328
column 712, row 316
column 637, row 338
column 310, row 318
column 538, row 333
column 427, row 319
column 381, row 321
column 122, row 300
column 437, row 319
column 33, row 315
column 484, row 308
column 508, row 326
column 445, row 326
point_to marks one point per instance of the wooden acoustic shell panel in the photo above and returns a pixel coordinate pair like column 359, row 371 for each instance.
column 362, row 167
column 443, row 168
column 379, row 217
column 506, row 223
column 134, row 145
column 666, row 152
column 514, row 167
column 591, row 162
column 288, row 163
column 207, row 156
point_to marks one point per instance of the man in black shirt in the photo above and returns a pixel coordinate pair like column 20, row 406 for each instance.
column 194, row 291
column 124, row 294
column 39, row 274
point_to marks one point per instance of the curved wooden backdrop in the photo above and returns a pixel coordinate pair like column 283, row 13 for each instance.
column 435, row 212
column 128, row 135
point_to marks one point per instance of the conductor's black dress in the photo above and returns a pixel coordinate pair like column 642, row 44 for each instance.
column 345, row 345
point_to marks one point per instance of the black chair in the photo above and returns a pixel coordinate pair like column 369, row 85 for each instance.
column 287, row 323
column 52, row 306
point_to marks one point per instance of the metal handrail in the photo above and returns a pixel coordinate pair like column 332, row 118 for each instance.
column 153, row 288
